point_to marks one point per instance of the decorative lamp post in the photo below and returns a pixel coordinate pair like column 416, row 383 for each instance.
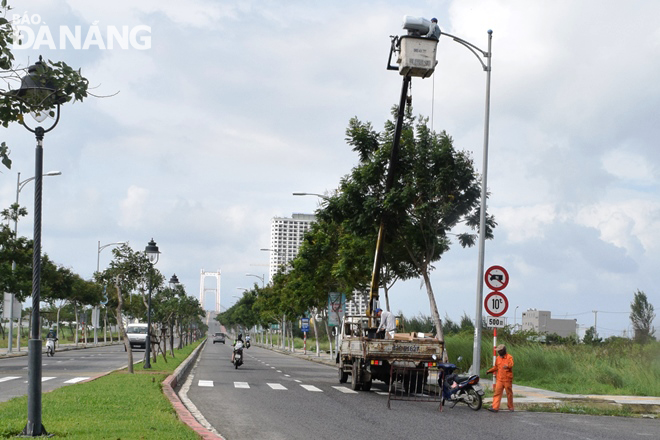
column 153, row 254
column 38, row 91
column 174, row 281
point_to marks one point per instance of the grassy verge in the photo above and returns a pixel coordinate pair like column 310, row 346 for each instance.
column 618, row 369
column 116, row 406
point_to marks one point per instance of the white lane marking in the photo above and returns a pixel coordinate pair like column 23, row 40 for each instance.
column 76, row 380
column 345, row 390
column 241, row 385
column 279, row 371
column 383, row 393
column 297, row 381
column 277, row 386
column 272, row 368
column 44, row 379
column 205, row 383
column 312, row 388
column 5, row 379
column 287, row 375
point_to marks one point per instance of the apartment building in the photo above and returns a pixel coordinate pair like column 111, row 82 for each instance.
column 541, row 322
column 286, row 235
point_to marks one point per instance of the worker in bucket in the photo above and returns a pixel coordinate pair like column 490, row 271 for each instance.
column 503, row 370
column 434, row 30
column 387, row 324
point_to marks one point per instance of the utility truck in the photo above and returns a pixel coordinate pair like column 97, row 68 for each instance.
column 364, row 358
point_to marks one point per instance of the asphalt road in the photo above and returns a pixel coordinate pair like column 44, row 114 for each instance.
column 275, row 396
column 65, row 368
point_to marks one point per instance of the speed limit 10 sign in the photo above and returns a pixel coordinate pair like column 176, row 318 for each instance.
column 496, row 304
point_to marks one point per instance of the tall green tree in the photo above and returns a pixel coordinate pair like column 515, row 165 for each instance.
column 435, row 194
column 127, row 271
column 642, row 316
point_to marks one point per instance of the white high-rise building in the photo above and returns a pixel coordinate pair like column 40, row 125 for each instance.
column 286, row 235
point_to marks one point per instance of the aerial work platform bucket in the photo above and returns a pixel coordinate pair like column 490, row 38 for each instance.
column 417, row 56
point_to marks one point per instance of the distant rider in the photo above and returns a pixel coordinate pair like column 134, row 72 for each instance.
column 238, row 344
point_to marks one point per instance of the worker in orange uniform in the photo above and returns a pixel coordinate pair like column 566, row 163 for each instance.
column 503, row 370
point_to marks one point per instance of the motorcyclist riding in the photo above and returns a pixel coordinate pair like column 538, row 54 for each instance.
column 238, row 344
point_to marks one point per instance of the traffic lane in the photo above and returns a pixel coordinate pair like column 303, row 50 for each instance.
column 65, row 368
column 290, row 398
column 290, row 411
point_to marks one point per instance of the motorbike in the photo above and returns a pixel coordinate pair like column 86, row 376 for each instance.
column 247, row 344
column 462, row 388
column 238, row 357
column 50, row 347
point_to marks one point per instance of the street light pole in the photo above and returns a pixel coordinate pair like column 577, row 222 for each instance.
column 19, row 187
column 37, row 88
column 98, row 260
column 476, row 353
column 153, row 254
column 262, row 278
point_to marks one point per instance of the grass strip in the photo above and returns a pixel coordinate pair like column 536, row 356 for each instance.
column 116, row 406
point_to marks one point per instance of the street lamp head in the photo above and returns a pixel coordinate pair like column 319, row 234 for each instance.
column 174, row 280
column 152, row 252
column 53, row 173
column 38, row 91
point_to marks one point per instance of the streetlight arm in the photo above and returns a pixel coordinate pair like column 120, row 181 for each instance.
column 472, row 48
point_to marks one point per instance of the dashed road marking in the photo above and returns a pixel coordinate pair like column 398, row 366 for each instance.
column 8, row 378
column 76, row 380
column 345, row 390
column 277, row 386
column 312, row 388
column 241, row 385
column 205, row 383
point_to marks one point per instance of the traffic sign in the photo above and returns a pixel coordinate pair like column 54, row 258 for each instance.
column 496, row 277
column 496, row 304
column 494, row 322
column 305, row 324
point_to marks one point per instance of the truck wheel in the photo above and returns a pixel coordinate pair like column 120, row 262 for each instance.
column 343, row 376
column 355, row 385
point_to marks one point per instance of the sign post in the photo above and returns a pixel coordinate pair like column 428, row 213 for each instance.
column 305, row 328
column 496, row 304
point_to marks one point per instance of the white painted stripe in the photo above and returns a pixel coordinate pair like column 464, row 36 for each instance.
column 345, row 390
column 76, row 380
column 287, row 375
column 272, row 368
column 44, row 379
column 297, row 381
column 205, row 383
column 241, row 385
column 5, row 379
column 277, row 386
column 279, row 371
column 383, row 393
column 312, row 388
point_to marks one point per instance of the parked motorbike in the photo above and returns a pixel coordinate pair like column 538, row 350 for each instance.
column 50, row 346
column 238, row 357
column 463, row 388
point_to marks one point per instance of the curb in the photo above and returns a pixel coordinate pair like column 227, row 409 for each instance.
column 182, row 412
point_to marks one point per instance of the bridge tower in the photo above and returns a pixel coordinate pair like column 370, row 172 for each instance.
column 203, row 289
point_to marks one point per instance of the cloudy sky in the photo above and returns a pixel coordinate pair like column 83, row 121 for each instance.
column 217, row 111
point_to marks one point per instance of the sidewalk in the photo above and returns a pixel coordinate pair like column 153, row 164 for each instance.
column 527, row 396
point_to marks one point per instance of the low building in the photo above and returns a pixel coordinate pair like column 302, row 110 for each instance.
column 541, row 322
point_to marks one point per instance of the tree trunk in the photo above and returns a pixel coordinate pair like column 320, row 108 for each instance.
column 122, row 332
column 434, row 311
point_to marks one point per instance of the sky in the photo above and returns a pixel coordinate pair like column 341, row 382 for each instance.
column 206, row 121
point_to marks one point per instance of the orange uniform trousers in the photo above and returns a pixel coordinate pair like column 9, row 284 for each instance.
column 500, row 386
